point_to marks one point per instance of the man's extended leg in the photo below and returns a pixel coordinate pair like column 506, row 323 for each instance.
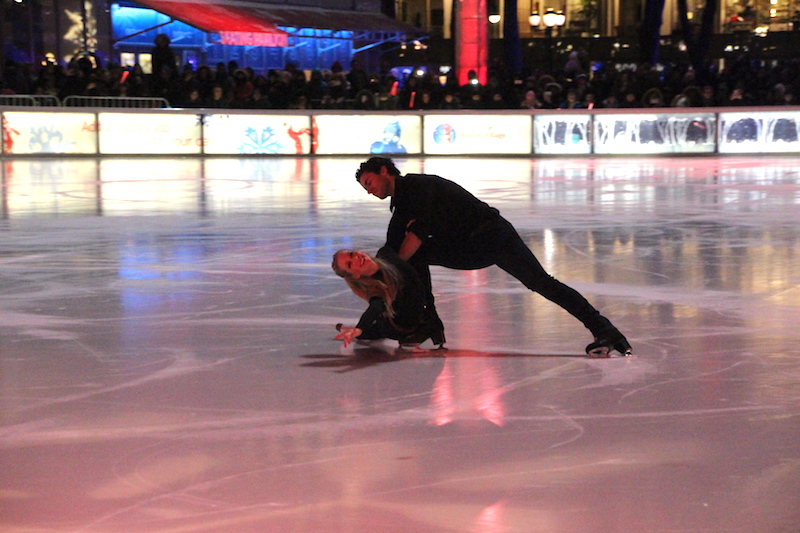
column 499, row 243
column 518, row 260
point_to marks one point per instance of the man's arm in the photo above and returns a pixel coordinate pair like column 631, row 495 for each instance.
column 409, row 246
column 409, row 228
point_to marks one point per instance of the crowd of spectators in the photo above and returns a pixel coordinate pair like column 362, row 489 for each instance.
column 578, row 84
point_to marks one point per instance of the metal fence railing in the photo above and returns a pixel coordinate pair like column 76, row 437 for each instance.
column 29, row 100
column 115, row 102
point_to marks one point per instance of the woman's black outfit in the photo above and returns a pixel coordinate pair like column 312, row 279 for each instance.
column 409, row 322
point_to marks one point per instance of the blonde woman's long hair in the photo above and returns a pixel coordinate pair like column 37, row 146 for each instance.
column 384, row 287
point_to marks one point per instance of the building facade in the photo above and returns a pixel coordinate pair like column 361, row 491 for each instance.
column 307, row 33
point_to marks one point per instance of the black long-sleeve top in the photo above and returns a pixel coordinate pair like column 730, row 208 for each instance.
column 409, row 302
column 432, row 207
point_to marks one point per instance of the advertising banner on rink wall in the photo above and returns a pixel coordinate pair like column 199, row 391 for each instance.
column 257, row 134
column 562, row 134
column 49, row 133
column 33, row 131
column 655, row 133
column 150, row 133
column 365, row 134
column 478, row 134
column 776, row 132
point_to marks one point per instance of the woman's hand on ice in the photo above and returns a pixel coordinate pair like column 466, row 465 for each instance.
column 347, row 334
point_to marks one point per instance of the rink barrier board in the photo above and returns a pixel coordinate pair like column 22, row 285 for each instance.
column 89, row 131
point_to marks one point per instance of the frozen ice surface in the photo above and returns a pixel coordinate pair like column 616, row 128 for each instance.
column 167, row 361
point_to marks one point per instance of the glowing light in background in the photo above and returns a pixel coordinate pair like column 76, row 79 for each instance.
column 472, row 52
column 81, row 34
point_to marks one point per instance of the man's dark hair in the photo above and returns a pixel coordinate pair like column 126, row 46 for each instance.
column 374, row 164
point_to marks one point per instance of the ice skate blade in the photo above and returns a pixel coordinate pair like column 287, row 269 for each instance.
column 601, row 352
column 372, row 343
column 412, row 348
column 602, row 348
column 605, row 353
column 415, row 347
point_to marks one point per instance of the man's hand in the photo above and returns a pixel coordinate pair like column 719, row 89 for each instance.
column 347, row 334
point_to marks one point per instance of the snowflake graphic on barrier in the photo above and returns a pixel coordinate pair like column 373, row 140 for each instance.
column 264, row 142
column 48, row 139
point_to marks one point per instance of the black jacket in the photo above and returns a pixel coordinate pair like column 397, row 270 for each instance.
column 409, row 303
column 448, row 219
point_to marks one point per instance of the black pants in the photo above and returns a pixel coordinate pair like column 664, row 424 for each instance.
column 381, row 329
column 498, row 243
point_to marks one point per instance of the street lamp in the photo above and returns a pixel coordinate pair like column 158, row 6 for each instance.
column 494, row 11
column 552, row 19
column 494, row 18
column 535, row 18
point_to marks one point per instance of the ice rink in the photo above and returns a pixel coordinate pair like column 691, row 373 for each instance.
column 167, row 361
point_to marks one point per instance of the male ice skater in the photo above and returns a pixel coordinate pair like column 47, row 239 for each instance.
column 437, row 222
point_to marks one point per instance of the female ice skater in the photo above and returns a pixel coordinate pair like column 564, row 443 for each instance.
column 397, row 299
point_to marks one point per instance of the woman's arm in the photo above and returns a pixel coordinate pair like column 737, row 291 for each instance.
column 374, row 311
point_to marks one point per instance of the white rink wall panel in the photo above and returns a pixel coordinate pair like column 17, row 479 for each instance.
column 49, row 133
column 562, row 134
column 773, row 132
column 257, row 134
column 655, row 133
column 477, row 134
column 156, row 133
column 365, row 134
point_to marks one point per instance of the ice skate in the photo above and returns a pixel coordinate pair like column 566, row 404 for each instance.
column 411, row 347
column 438, row 339
column 606, row 339
column 602, row 347
column 413, row 340
column 434, row 326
